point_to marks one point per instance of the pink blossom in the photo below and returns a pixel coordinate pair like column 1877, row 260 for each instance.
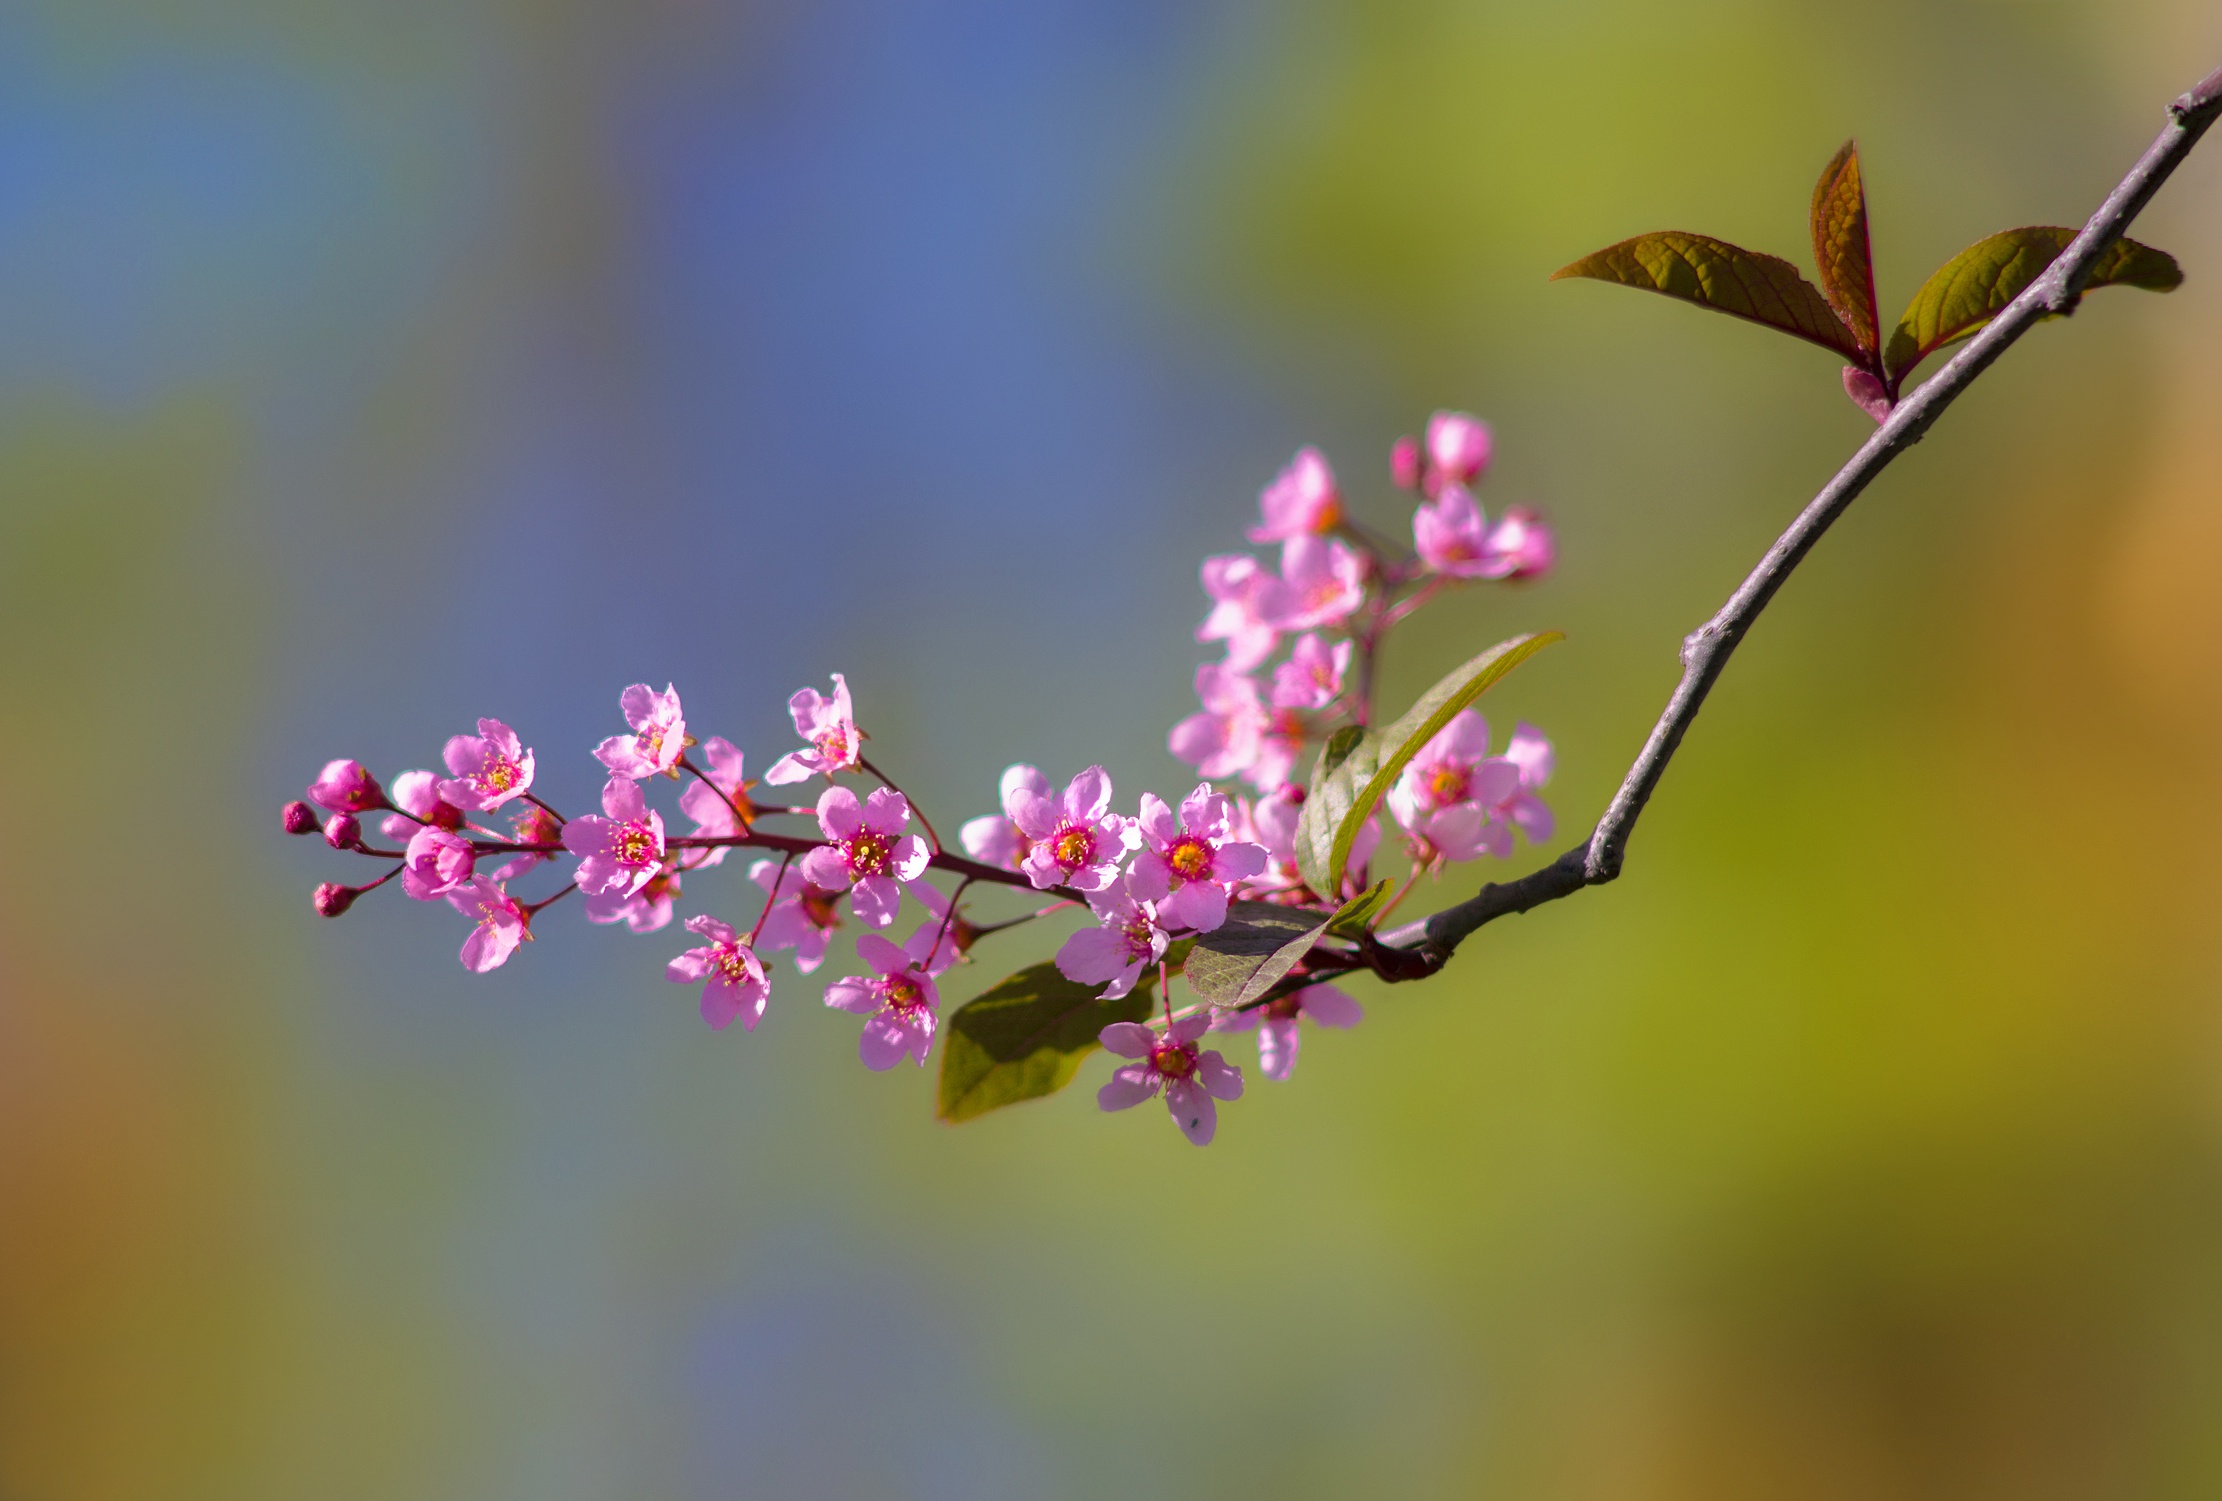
column 996, row 839
column 1302, row 499
column 532, row 825
column 1404, row 463
column 1077, row 840
column 297, row 818
column 343, row 786
column 1453, row 767
column 659, row 735
column 1520, row 546
column 1523, row 810
column 829, row 724
column 435, row 863
column 710, row 804
column 800, row 916
column 1458, row 448
column 1240, row 590
column 1275, row 1021
column 1322, row 583
column 1452, row 537
column 1171, row 1061
column 502, row 924
column 898, row 1001
column 1312, row 676
column 1129, row 940
column 1223, row 739
column 1273, row 821
column 643, row 911
column 733, row 983
column 621, row 853
column 417, row 795
column 869, row 855
column 1188, row 867
column 343, row 831
column 491, row 767
column 1280, row 746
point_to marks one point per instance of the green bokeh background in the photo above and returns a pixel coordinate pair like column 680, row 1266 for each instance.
column 1864, row 1141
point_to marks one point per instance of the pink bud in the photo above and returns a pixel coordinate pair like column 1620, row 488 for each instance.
column 1458, row 447
column 331, row 899
column 299, row 818
column 1867, row 393
column 345, row 787
column 1404, row 463
column 343, row 831
column 1522, row 541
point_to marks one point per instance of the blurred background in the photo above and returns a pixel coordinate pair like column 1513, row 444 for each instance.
column 365, row 368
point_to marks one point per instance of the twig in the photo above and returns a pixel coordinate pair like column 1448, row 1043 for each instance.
column 1706, row 650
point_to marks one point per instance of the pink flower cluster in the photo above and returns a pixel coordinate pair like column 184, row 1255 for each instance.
column 1150, row 877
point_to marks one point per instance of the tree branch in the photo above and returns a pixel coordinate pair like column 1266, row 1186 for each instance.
column 1706, row 650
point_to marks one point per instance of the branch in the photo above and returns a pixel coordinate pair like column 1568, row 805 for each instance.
column 1706, row 650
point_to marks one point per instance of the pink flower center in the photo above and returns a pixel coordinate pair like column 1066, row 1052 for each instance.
column 636, row 844
column 1190, row 858
column 1449, row 783
column 818, row 907
column 731, row 967
column 1176, row 1061
column 1072, row 846
column 833, row 745
column 1322, row 593
column 1141, row 938
column 869, row 854
column 499, row 774
column 902, row 993
column 1327, row 516
column 652, row 743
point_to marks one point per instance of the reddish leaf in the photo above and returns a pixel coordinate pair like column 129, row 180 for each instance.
column 1840, row 248
column 1726, row 278
column 1974, row 287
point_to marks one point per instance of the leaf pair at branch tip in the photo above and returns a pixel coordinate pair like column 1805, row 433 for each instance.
column 1841, row 314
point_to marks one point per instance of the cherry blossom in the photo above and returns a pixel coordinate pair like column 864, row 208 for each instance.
column 1222, row 740
column 532, row 825
column 995, row 838
column 1170, row 1061
column 1523, row 810
column 643, row 911
column 622, row 852
column 501, row 924
column 1280, row 747
column 800, row 916
column 711, row 804
column 435, row 863
column 1275, row 1022
column 733, row 983
column 1302, row 499
column 659, row 735
column 343, row 786
column 869, row 854
column 1453, row 767
column 1322, row 583
column 1077, row 840
column 1453, row 539
column 417, row 795
column 1458, row 449
column 1312, row 676
column 1520, row 546
column 897, row 1000
column 1405, row 464
column 1187, row 867
column 491, row 767
column 1240, row 590
column 829, row 724
column 1128, row 940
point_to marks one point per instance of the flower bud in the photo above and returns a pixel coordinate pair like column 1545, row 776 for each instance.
column 345, row 787
column 343, row 831
column 417, row 794
column 1457, row 447
column 1522, row 540
column 298, row 818
column 331, row 899
column 1868, row 394
column 1404, row 463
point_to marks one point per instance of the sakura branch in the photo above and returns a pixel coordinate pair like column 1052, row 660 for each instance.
column 1255, row 890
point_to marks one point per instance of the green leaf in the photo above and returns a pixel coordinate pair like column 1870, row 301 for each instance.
column 1239, row 960
column 1726, row 278
column 1342, row 795
column 1974, row 286
column 1356, row 915
column 1841, row 251
column 1026, row 1038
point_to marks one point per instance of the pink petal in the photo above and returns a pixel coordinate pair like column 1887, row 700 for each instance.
column 1092, row 956
column 909, row 857
column 1089, row 796
column 1193, row 1111
column 1330, row 1006
column 1278, row 1039
column 1218, row 1076
column 1201, row 905
column 1236, row 860
column 886, row 811
column 825, row 867
column 789, row 769
column 1128, row 1087
column 881, row 955
column 1190, row 1027
column 876, row 900
column 884, row 1043
column 853, row 996
column 1157, row 823
column 1149, row 878
column 838, row 815
column 1127, row 1039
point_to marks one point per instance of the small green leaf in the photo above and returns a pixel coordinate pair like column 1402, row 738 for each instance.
column 1841, row 251
column 1340, row 745
column 1239, row 960
column 1342, row 795
column 1974, row 286
column 1026, row 1038
column 1726, row 278
column 1356, row 915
